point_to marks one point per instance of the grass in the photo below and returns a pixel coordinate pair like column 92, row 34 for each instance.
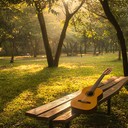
column 29, row 83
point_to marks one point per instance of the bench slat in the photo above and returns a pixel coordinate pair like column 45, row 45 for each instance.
column 111, row 84
column 44, row 108
column 108, row 81
column 113, row 90
column 53, row 112
column 65, row 117
column 60, row 110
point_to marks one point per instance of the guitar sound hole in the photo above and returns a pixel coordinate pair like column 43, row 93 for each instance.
column 89, row 93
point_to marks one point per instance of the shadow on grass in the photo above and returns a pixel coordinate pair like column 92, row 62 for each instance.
column 47, row 76
column 98, row 120
column 117, row 119
column 126, row 86
column 12, row 86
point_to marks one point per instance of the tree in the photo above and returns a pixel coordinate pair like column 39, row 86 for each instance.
column 94, row 27
column 18, row 34
column 8, row 30
column 53, row 62
column 114, row 22
column 40, row 6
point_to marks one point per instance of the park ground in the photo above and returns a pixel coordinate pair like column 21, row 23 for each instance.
column 28, row 83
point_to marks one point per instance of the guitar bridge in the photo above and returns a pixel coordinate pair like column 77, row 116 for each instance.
column 83, row 101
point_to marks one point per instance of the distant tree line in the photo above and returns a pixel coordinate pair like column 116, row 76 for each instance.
column 86, row 24
column 22, row 34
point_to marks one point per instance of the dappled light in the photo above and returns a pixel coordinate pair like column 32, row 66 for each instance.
column 51, row 48
column 32, row 68
column 22, row 101
column 31, row 85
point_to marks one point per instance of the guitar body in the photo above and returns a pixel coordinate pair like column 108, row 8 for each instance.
column 84, row 103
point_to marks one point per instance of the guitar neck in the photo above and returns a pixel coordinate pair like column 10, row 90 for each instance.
column 96, row 83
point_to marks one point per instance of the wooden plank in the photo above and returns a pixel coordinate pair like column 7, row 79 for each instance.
column 44, row 108
column 112, row 83
column 53, row 109
column 65, row 117
column 68, row 115
column 107, row 81
column 53, row 112
column 113, row 90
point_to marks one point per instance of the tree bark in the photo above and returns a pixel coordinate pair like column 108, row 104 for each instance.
column 120, row 35
column 119, row 54
column 63, row 33
column 39, row 7
column 45, row 36
column 61, row 40
column 12, row 52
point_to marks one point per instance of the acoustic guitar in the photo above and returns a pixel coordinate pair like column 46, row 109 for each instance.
column 87, row 100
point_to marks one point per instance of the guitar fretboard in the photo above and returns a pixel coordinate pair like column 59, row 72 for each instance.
column 92, row 89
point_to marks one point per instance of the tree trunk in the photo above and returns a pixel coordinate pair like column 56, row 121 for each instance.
column 106, row 48
column 12, row 53
column 45, row 36
column 95, row 48
column 35, row 49
column 80, row 50
column 99, row 47
column 62, row 37
column 39, row 7
column 119, row 54
column 85, row 47
column 120, row 35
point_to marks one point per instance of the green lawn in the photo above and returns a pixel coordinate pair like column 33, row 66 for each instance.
column 29, row 83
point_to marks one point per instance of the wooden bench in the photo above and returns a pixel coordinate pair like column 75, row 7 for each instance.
column 59, row 111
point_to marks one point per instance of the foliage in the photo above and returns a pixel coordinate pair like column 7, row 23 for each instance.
column 120, row 8
column 91, row 29
column 28, row 83
column 20, row 24
column 88, row 28
column 93, row 26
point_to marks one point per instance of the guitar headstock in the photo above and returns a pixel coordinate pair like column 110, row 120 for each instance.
column 107, row 71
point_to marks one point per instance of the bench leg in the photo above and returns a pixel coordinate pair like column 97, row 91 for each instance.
column 67, row 125
column 50, row 124
column 109, row 106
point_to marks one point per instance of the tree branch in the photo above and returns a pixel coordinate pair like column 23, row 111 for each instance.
column 95, row 12
column 83, row 1
column 66, row 7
